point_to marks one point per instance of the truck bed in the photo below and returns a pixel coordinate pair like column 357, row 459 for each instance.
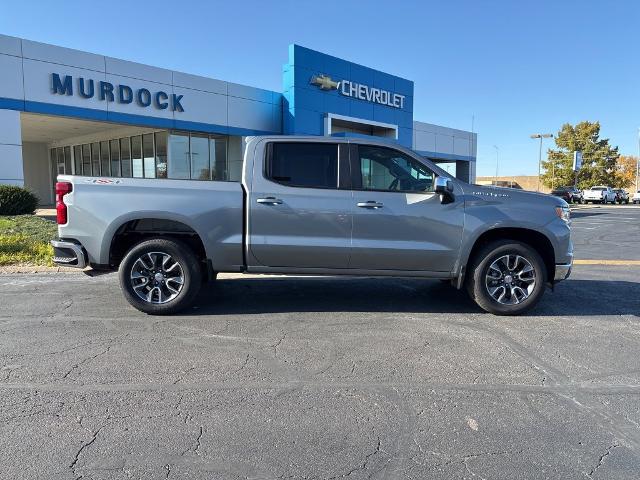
column 99, row 207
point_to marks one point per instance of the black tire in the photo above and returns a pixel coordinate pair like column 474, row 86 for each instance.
column 181, row 254
column 475, row 281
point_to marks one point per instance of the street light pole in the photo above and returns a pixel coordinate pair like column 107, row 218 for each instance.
column 497, row 150
column 638, row 161
column 540, row 136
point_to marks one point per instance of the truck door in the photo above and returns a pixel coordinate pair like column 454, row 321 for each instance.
column 300, row 205
column 399, row 223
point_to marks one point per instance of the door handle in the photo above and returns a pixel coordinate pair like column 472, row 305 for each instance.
column 369, row 204
column 269, row 201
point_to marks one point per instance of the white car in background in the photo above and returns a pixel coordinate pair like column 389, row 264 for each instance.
column 636, row 197
column 599, row 194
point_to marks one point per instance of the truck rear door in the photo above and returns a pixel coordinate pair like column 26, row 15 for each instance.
column 300, row 205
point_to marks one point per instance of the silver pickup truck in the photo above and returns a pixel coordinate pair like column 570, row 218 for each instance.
column 319, row 206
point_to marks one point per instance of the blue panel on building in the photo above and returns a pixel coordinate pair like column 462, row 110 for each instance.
column 316, row 84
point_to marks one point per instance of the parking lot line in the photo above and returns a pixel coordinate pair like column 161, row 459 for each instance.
column 606, row 262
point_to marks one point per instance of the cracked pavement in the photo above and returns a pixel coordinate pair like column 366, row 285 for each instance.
column 319, row 378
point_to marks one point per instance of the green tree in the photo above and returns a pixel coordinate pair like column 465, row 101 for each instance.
column 599, row 158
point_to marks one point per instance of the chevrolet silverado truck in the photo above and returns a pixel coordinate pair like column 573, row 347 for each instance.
column 317, row 206
column 599, row 194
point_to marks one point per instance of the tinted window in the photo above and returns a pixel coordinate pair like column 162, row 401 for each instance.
column 136, row 156
column 218, row 158
column 161, row 154
column 148, row 155
column 114, row 147
column 67, row 160
column 77, row 160
column 125, row 157
column 313, row 165
column 104, row 159
column 95, row 158
column 179, row 158
column 200, row 158
column 86, row 159
column 387, row 169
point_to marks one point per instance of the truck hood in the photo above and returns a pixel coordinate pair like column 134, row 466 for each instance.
column 511, row 195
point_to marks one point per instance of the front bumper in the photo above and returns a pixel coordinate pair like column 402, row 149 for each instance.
column 68, row 254
column 563, row 271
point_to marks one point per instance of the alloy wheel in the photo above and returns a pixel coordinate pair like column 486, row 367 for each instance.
column 510, row 279
column 156, row 277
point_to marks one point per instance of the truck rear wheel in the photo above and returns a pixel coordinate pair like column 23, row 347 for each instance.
column 506, row 278
column 160, row 276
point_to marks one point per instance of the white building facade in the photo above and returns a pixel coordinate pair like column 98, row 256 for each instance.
column 73, row 112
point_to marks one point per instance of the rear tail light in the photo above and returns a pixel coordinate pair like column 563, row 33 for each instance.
column 62, row 188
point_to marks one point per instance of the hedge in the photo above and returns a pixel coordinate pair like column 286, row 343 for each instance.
column 16, row 200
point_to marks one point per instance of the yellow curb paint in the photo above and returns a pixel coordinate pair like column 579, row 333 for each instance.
column 607, row 262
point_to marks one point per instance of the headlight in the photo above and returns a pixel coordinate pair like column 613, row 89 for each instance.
column 564, row 214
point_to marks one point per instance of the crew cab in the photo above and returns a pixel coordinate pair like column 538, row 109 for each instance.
column 599, row 194
column 320, row 206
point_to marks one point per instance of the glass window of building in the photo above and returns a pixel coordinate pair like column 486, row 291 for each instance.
column 218, row 158
column 136, row 156
column 53, row 155
column 77, row 160
column 67, row 160
column 105, row 167
column 149, row 156
column 86, row 160
column 125, row 157
column 234, row 158
column 178, row 165
column 114, row 147
column 200, row 157
column 60, row 160
column 95, row 158
column 161, row 154
column 196, row 156
column 53, row 167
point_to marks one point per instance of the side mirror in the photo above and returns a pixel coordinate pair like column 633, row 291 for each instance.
column 444, row 187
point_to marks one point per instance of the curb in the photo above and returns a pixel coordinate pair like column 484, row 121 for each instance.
column 9, row 269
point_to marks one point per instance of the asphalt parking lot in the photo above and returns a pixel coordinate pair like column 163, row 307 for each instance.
column 328, row 378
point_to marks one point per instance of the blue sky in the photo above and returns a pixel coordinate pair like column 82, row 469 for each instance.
column 517, row 67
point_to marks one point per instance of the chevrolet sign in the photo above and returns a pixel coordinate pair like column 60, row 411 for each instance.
column 359, row 91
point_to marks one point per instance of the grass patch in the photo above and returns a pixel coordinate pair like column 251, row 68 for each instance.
column 24, row 240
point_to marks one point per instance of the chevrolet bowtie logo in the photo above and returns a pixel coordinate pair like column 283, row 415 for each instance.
column 324, row 82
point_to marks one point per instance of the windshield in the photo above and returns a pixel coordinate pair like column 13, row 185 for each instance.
column 598, row 188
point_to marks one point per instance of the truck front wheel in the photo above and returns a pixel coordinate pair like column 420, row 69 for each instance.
column 160, row 276
column 506, row 278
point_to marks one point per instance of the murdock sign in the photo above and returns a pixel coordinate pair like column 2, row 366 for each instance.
column 359, row 91
column 106, row 91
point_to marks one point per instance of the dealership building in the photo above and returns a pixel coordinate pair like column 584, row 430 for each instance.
column 74, row 112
